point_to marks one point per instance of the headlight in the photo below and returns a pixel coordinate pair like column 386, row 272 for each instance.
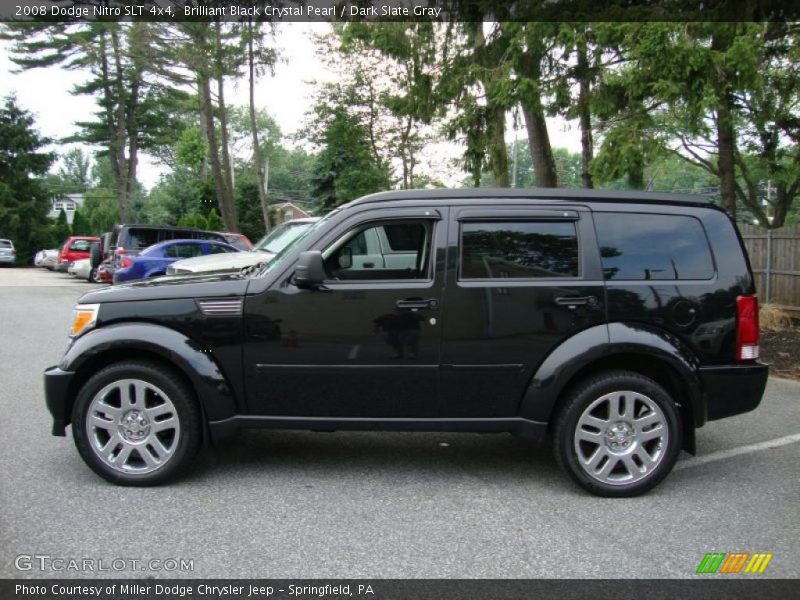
column 84, row 316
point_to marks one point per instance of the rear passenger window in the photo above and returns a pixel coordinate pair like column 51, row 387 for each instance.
column 644, row 246
column 519, row 250
column 139, row 239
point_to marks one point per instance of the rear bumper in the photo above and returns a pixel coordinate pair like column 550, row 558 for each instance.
column 56, row 393
column 733, row 390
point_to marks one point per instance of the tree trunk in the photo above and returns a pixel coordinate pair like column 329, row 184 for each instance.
column 227, row 171
column 257, row 164
column 585, row 116
column 117, row 142
column 206, row 114
column 726, row 137
column 544, row 165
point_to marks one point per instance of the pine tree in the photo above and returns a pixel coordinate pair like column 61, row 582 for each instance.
column 214, row 222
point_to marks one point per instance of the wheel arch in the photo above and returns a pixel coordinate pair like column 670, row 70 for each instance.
column 648, row 351
column 153, row 343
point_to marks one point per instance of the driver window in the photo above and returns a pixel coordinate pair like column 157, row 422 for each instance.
column 366, row 253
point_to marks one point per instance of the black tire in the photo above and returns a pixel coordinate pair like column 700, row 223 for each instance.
column 185, row 443
column 93, row 276
column 95, row 255
column 621, row 446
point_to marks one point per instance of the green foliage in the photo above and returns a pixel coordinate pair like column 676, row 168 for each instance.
column 100, row 210
column 214, row 221
column 346, row 168
column 80, row 225
column 193, row 220
column 61, row 229
column 191, row 150
column 24, row 202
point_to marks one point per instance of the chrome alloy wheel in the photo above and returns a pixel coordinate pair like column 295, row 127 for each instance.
column 621, row 437
column 132, row 426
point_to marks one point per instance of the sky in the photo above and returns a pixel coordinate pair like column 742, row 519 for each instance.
column 286, row 96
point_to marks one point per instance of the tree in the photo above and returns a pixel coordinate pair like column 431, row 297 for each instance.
column 75, row 172
column 136, row 109
column 213, row 221
column 24, row 202
column 346, row 166
column 80, row 225
column 62, row 229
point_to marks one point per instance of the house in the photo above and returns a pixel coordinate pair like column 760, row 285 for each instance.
column 69, row 203
column 286, row 211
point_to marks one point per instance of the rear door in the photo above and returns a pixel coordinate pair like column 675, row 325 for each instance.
column 523, row 281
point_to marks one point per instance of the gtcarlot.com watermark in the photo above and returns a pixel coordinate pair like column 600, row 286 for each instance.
column 62, row 564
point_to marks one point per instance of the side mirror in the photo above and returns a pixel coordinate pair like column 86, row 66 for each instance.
column 345, row 257
column 310, row 270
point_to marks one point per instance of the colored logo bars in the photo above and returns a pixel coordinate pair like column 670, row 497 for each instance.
column 735, row 562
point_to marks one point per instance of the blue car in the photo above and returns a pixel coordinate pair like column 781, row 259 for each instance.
column 154, row 260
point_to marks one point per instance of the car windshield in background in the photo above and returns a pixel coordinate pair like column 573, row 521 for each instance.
column 304, row 231
column 281, row 236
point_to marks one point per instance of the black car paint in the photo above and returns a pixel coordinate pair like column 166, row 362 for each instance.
column 286, row 362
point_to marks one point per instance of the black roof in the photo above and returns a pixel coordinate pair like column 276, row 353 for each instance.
column 582, row 195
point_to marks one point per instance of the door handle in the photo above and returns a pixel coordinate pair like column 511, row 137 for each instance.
column 573, row 301
column 432, row 303
column 369, row 265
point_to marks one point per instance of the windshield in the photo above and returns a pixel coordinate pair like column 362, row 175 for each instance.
column 305, row 232
column 281, row 236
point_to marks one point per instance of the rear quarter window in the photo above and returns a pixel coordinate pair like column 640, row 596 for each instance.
column 638, row 246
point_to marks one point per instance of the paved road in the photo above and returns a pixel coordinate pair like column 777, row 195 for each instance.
column 297, row 504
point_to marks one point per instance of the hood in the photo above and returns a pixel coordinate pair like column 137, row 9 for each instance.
column 171, row 288
column 220, row 262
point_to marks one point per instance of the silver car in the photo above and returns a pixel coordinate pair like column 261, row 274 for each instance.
column 8, row 255
column 263, row 252
column 46, row 259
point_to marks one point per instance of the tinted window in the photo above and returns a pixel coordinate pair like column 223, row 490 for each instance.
column 639, row 246
column 520, row 249
column 183, row 250
column 138, row 239
column 404, row 237
column 214, row 249
column 5, row 244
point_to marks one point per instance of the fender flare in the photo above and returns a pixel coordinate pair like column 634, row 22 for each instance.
column 214, row 392
column 603, row 342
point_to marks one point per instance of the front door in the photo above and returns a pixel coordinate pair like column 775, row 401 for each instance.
column 367, row 343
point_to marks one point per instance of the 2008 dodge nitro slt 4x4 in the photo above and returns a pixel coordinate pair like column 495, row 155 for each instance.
column 617, row 322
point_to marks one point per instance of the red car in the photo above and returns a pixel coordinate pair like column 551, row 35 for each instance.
column 75, row 248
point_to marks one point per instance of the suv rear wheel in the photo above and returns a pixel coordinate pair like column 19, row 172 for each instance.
column 618, row 434
column 136, row 423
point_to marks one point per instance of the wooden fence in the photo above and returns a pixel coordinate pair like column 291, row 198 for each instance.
column 775, row 259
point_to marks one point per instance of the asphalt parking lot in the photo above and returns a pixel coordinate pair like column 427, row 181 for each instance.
column 370, row 505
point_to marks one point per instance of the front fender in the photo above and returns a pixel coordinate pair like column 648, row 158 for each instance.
column 601, row 344
column 214, row 392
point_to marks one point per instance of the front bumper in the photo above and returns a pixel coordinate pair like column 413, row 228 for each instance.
column 57, row 396
column 733, row 390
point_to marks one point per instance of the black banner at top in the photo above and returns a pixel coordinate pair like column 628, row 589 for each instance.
column 401, row 10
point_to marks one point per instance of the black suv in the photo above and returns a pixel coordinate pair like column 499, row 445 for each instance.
column 616, row 322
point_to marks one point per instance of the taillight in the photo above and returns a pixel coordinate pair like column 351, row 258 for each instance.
column 126, row 262
column 747, row 328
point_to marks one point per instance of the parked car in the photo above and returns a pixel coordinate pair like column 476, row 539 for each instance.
column 568, row 312
column 8, row 255
column 75, row 248
column 46, row 258
column 266, row 248
column 238, row 240
column 154, row 260
column 82, row 269
column 129, row 240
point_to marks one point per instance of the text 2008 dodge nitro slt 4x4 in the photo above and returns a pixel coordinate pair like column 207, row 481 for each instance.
column 617, row 322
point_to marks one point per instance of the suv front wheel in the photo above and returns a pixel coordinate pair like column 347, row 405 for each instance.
column 618, row 434
column 136, row 423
